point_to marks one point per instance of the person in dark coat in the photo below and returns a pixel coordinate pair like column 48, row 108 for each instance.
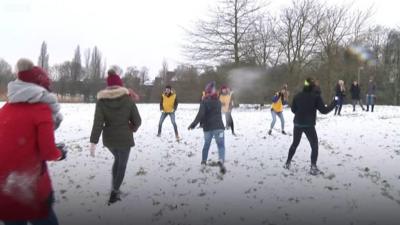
column 371, row 97
column 213, row 127
column 27, row 143
column 355, row 95
column 340, row 94
column 116, row 117
column 304, row 106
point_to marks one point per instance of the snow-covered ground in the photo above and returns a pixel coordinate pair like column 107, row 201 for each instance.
column 164, row 184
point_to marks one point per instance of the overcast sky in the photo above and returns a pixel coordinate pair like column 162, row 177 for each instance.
column 127, row 32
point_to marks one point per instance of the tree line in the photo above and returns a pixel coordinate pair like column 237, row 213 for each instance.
column 246, row 45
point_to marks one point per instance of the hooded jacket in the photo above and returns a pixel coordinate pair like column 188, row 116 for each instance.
column 20, row 91
column 209, row 114
column 115, row 110
column 27, row 142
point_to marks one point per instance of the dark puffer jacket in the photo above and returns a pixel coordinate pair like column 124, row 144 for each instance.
column 115, row 110
column 305, row 106
column 209, row 115
column 355, row 92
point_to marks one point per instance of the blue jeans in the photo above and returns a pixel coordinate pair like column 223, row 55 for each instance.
column 50, row 220
column 219, row 139
column 370, row 102
column 280, row 115
column 162, row 118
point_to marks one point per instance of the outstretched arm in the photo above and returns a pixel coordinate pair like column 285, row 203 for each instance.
column 199, row 117
column 322, row 108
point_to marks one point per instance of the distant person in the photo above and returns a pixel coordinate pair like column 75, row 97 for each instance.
column 277, row 110
column 27, row 143
column 286, row 94
column 213, row 127
column 304, row 106
column 317, row 87
column 116, row 117
column 168, row 107
column 371, row 97
column 340, row 94
column 227, row 101
column 355, row 95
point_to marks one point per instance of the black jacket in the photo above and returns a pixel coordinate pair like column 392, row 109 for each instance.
column 305, row 106
column 209, row 115
column 339, row 92
column 355, row 92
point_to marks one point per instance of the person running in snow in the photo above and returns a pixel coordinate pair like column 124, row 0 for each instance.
column 168, row 106
column 27, row 143
column 116, row 116
column 340, row 94
column 227, row 101
column 277, row 110
column 213, row 127
column 355, row 95
column 371, row 97
column 304, row 106
column 33, row 86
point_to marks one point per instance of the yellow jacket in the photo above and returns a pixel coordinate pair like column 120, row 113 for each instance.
column 226, row 102
column 168, row 104
column 278, row 105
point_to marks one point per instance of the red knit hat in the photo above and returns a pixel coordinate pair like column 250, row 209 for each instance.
column 114, row 80
column 27, row 72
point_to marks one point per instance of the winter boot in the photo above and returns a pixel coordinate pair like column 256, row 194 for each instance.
column 314, row 170
column 269, row 132
column 114, row 197
column 287, row 165
column 283, row 132
column 222, row 168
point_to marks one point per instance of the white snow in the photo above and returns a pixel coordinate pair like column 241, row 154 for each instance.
column 164, row 184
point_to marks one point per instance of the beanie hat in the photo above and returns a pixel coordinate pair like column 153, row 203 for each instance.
column 210, row 88
column 168, row 87
column 27, row 72
column 114, row 80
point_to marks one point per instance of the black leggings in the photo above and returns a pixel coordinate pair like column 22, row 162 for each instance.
column 229, row 121
column 312, row 137
column 121, row 156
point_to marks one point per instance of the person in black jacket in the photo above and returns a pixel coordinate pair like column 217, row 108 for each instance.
column 340, row 94
column 355, row 95
column 210, row 116
column 305, row 106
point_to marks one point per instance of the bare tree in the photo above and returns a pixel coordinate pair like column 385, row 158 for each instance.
column 223, row 36
column 144, row 75
column 163, row 73
column 392, row 63
column 76, row 64
column 96, row 65
column 43, row 60
column 263, row 48
column 295, row 33
column 87, row 55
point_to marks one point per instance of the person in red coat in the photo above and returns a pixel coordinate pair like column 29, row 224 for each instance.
column 27, row 142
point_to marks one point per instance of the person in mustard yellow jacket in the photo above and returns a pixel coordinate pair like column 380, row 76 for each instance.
column 168, row 106
column 277, row 110
column 226, row 99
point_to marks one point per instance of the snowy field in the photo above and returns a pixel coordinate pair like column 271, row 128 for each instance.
column 164, row 183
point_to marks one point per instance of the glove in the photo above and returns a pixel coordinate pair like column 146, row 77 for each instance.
column 63, row 150
column 92, row 149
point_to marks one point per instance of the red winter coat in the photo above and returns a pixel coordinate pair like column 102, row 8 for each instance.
column 26, row 143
